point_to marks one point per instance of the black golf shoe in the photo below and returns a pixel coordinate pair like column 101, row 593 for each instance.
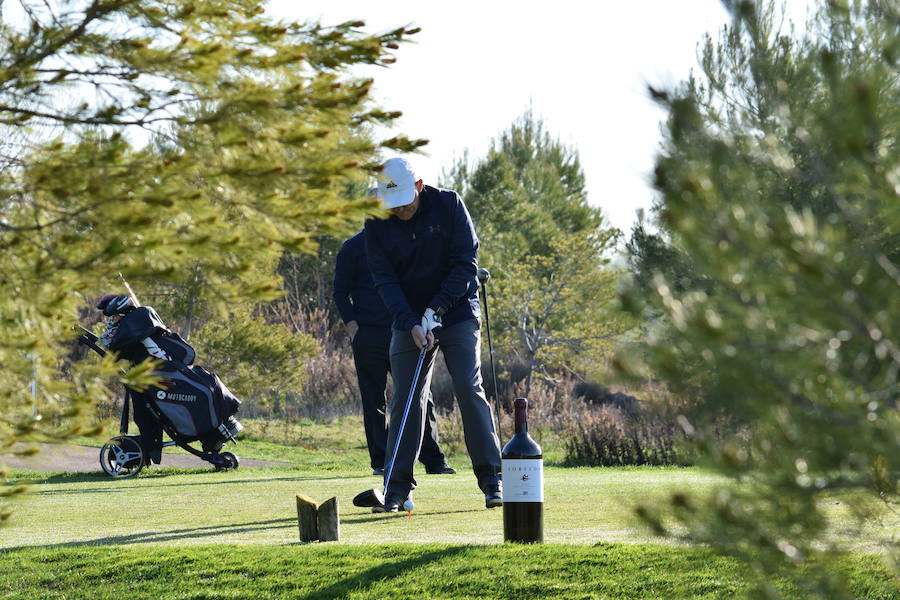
column 444, row 469
column 391, row 505
column 493, row 495
column 378, row 471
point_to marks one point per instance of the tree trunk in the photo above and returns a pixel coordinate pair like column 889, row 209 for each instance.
column 188, row 321
column 528, row 378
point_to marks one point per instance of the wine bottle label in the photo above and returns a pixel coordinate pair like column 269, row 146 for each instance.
column 523, row 480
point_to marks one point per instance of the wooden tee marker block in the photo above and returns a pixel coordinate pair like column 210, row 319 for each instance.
column 318, row 522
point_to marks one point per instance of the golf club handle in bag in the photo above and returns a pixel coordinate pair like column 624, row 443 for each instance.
column 89, row 339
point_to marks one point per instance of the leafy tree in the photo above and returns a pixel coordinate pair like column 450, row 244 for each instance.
column 558, row 308
column 779, row 186
column 528, row 190
column 651, row 252
column 253, row 129
column 545, row 246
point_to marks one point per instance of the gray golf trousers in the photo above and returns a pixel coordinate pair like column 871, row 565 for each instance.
column 461, row 345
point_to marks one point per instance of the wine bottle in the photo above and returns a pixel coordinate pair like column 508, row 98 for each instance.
column 523, row 482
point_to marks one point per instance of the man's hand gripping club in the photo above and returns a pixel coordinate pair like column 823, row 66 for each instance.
column 423, row 335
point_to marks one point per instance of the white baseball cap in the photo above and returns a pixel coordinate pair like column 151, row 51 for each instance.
column 396, row 183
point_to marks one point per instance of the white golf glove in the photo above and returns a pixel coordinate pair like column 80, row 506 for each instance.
column 430, row 320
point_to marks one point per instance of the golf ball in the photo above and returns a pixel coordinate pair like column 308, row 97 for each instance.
column 408, row 505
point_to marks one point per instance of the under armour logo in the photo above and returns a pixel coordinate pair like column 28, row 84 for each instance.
column 391, row 184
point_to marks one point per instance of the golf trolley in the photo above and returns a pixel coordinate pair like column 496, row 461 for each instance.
column 189, row 404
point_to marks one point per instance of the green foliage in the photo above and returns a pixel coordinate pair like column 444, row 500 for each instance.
column 558, row 308
column 254, row 358
column 780, row 182
column 552, row 291
column 650, row 253
column 253, row 131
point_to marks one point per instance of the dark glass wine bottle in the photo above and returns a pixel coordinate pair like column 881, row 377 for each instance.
column 523, row 483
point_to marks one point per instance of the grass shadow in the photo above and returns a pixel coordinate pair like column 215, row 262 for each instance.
column 122, row 485
column 383, row 572
column 403, row 514
column 147, row 537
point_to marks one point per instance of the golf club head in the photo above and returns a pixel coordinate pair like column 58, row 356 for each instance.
column 369, row 498
column 483, row 274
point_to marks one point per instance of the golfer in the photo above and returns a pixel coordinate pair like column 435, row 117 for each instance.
column 369, row 324
column 423, row 258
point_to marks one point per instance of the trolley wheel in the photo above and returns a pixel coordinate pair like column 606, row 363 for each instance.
column 229, row 462
column 122, row 456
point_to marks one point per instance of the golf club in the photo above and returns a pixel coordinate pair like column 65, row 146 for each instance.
column 483, row 276
column 374, row 497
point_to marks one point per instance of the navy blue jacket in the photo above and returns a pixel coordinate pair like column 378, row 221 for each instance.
column 354, row 293
column 429, row 261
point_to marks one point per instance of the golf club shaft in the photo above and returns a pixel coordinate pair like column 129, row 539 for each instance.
column 487, row 325
column 412, row 391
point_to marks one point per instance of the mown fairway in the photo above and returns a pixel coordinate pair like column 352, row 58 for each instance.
column 257, row 506
column 199, row 534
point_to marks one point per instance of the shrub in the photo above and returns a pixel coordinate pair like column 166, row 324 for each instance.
column 329, row 389
column 610, row 437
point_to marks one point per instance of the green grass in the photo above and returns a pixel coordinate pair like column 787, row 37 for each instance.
column 194, row 533
column 324, row 572
column 257, row 506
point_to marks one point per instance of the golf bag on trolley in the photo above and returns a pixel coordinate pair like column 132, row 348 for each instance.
column 190, row 403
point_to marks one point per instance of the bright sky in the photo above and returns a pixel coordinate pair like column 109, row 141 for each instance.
column 582, row 66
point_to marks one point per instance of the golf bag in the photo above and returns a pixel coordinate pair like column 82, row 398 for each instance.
column 190, row 403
